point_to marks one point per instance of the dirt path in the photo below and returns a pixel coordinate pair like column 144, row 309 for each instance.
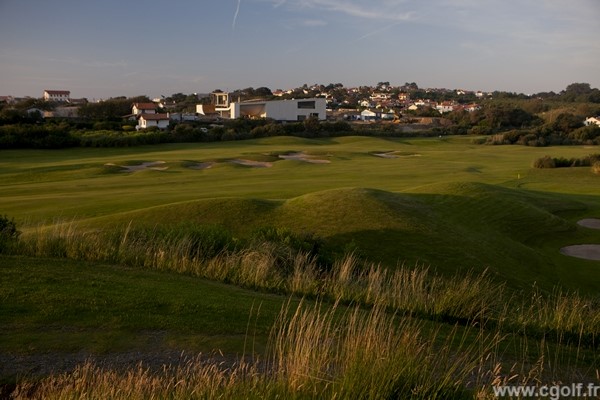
column 44, row 364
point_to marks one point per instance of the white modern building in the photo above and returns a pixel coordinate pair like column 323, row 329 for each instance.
column 279, row 110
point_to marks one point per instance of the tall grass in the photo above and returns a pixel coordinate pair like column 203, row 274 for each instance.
column 323, row 352
column 211, row 252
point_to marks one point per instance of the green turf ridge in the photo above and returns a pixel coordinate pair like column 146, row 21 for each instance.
column 459, row 206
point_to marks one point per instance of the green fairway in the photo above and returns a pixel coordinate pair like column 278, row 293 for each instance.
column 66, row 306
column 40, row 185
column 444, row 202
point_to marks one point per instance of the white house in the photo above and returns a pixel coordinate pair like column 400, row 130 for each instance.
column 279, row 110
column 57, row 95
column 592, row 121
column 380, row 96
column 161, row 121
column 143, row 108
column 372, row 115
column 367, row 104
column 472, row 107
column 444, row 107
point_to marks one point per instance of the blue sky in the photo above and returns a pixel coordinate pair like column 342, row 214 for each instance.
column 100, row 49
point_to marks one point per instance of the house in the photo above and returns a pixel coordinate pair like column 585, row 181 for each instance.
column 143, row 108
column 7, row 99
column 592, row 121
column 57, row 95
column 403, row 96
column 380, row 96
column 161, row 121
column 279, row 110
column 376, row 114
column 472, row 107
column 444, row 107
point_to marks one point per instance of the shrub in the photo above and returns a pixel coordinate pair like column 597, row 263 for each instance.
column 8, row 232
column 544, row 162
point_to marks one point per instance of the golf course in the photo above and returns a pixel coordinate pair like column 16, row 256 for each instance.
column 293, row 265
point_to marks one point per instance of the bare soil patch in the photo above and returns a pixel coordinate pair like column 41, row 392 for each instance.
column 585, row 251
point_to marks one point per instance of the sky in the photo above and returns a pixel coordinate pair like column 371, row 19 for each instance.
column 108, row 48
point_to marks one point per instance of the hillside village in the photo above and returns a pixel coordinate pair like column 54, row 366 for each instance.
column 569, row 117
column 365, row 103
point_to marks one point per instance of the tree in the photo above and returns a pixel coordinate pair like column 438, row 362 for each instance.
column 112, row 109
column 312, row 125
column 567, row 122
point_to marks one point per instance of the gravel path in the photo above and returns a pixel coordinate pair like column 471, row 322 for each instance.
column 43, row 364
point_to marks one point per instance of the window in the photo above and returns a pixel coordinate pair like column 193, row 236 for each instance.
column 306, row 104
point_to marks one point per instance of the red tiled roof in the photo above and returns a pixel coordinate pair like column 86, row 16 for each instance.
column 154, row 117
column 145, row 106
column 66, row 92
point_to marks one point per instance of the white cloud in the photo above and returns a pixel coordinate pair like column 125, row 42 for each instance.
column 378, row 9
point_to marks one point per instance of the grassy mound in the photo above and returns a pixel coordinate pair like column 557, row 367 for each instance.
column 451, row 227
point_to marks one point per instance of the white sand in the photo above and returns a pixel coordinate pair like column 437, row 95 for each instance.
column 386, row 155
column 252, row 163
column 395, row 154
column 147, row 165
column 303, row 157
column 585, row 251
column 593, row 223
column 200, row 166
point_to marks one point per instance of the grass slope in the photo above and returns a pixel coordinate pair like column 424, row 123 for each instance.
column 452, row 204
column 452, row 227
column 66, row 306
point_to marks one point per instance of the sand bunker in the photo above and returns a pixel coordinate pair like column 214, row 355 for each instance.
column 593, row 223
column 252, row 163
column 200, row 166
column 395, row 154
column 303, row 157
column 585, row 251
column 147, row 165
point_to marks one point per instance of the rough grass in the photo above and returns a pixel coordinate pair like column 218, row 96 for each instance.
column 277, row 265
column 360, row 354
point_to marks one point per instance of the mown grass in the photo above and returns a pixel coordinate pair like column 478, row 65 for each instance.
column 451, row 227
column 418, row 233
column 409, row 209
column 62, row 305
column 33, row 174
